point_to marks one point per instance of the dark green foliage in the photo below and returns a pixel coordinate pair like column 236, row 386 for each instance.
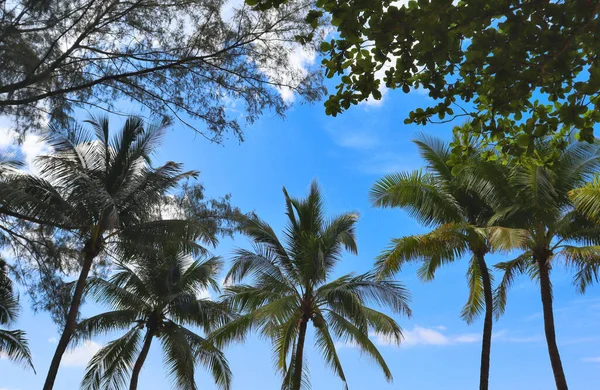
column 518, row 70
column 192, row 60
column 554, row 229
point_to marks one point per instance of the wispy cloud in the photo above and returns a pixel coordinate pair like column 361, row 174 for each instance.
column 384, row 163
column 80, row 356
column 372, row 146
column 438, row 336
column 359, row 140
column 420, row 336
column 505, row 335
column 52, row 340
column 591, row 360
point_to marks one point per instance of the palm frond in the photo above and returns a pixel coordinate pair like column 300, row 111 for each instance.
column 110, row 367
column 503, row 239
column 436, row 153
column 9, row 302
column 257, row 263
column 424, row 198
column 284, row 340
column 476, row 302
column 586, row 261
column 347, row 331
column 122, row 298
column 511, row 269
column 200, row 275
column 211, row 357
column 288, row 377
column 587, row 198
column 15, row 347
column 107, row 322
column 325, row 344
column 366, row 288
column 179, row 357
column 443, row 245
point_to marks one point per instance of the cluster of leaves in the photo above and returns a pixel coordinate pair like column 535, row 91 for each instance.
column 187, row 59
column 518, row 70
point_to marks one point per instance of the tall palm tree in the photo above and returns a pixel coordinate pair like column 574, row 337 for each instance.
column 458, row 203
column 13, row 343
column 555, row 230
column 160, row 294
column 289, row 286
column 101, row 190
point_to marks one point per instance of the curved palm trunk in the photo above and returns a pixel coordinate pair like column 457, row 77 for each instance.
column 71, row 323
column 546, row 292
column 486, row 343
column 298, row 359
column 140, row 360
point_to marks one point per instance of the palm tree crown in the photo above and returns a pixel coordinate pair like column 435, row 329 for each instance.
column 161, row 295
column 554, row 229
column 458, row 201
column 288, row 286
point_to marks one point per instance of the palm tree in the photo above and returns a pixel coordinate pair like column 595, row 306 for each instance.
column 289, row 287
column 555, row 230
column 13, row 343
column 101, row 190
column 458, row 203
column 160, row 294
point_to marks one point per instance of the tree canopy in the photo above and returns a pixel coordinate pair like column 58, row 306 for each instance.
column 191, row 59
column 519, row 70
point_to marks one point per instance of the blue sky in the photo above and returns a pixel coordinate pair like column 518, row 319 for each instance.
column 347, row 155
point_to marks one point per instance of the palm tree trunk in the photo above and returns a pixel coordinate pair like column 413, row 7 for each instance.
column 546, row 292
column 486, row 343
column 298, row 359
column 71, row 323
column 140, row 360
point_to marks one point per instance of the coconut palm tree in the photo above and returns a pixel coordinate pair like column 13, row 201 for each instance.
column 288, row 286
column 102, row 191
column 13, row 343
column 458, row 202
column 156, row 297
column 555, row 230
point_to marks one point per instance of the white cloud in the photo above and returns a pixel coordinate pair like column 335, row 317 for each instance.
column 52, row 340
column 434, row 336
column 80, row 356
column 383, row 163
column 419, row 335
column 32, row 146
column 591, row 360
column 300, row 59
column 230, row 7
column 358, row 140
